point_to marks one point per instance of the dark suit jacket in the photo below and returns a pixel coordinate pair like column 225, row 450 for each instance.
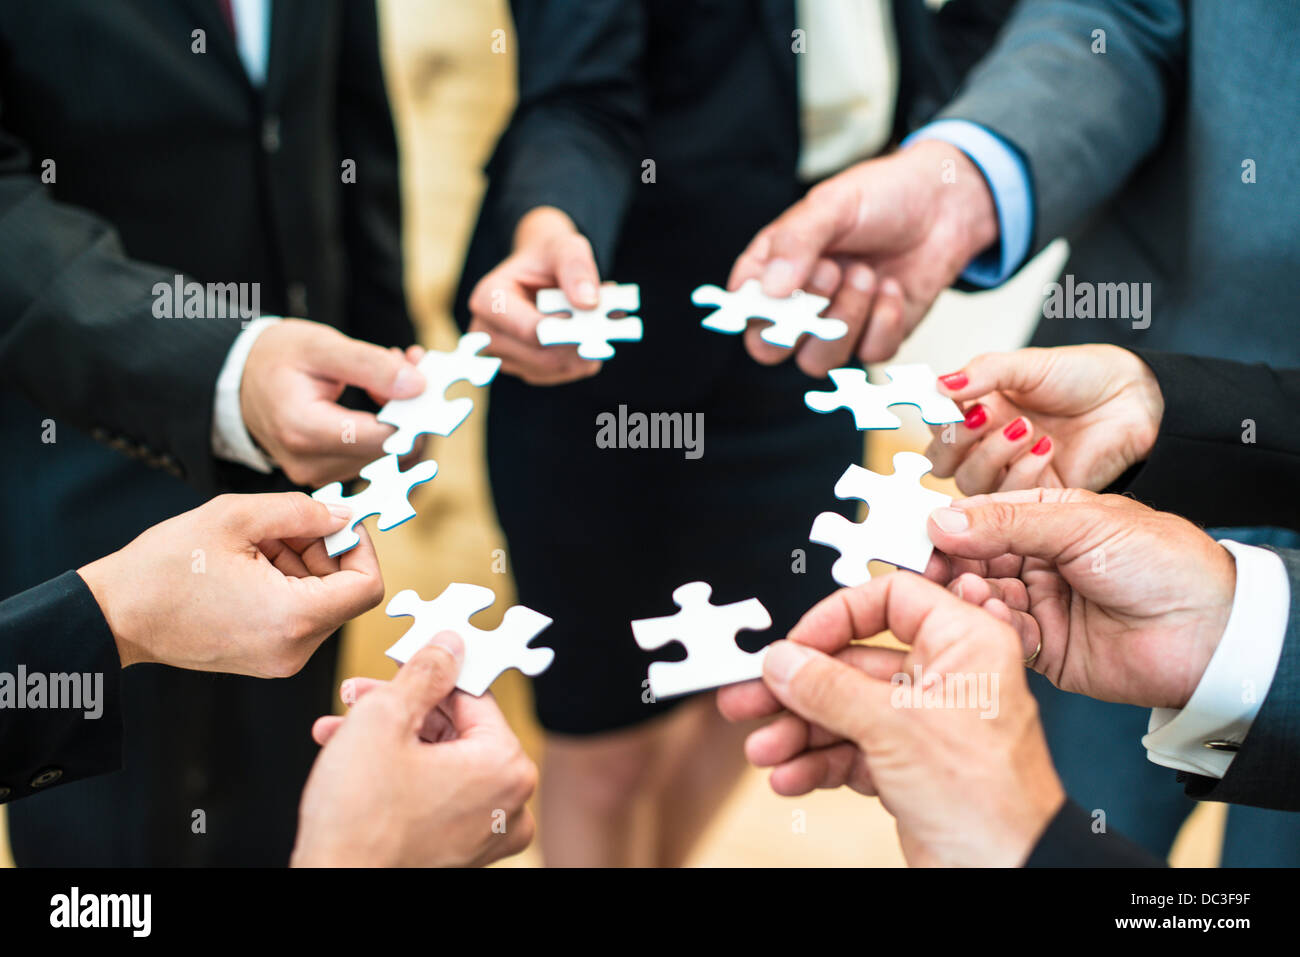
column 1228, row 450
column 1265, row 772
column 1138, row 156
column 167, row 161
column 56, row 628
column 680, row 82
column 170, row 161
column 1071, row 840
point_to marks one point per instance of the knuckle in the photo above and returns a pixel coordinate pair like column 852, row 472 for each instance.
column 1001, row 514
column 374, row 591
column 525, row 777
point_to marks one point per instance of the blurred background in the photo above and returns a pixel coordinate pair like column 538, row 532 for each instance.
column 451, row 95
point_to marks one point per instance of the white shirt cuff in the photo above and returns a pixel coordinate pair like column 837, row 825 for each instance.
column 1237, row 679
column 230, row 439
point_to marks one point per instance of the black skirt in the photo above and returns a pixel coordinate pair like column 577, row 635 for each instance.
column 599, row 536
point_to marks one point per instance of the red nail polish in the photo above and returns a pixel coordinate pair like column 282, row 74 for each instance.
column 976, row 416
column 954, row 380
column 1042, row 446
column 1016, row 430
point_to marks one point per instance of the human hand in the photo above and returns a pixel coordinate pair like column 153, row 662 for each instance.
column 1070, row 417
column 242, row 584
column 418, row 774
column 881, row 239
column 548, row 252
column 968, row 779
column 1128, row 603
column 293, row 377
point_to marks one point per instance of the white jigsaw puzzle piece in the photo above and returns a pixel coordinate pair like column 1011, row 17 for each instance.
column 487, row 653
column 431, row 412
column 385, row 496
column 790, row 317
column 910, row 384
column 591, row 330
column 894, row 530
column 709, row 633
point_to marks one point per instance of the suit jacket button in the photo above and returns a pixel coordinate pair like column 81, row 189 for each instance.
column 271, row 134
column 46, row 778
column 5, row 791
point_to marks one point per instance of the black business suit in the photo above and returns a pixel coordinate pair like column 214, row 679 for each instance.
column 602, row 536
column 1228, row 450
column 57, row 628
column 1265, row 772
column 169, row 161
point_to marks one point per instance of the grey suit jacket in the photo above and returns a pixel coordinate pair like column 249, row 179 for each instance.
column 1139, row 155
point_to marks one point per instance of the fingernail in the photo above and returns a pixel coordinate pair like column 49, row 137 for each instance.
column 408, row 383
column 587, row 293
column 784, row 659
column 348, row 692
column 861, row 279
column 951, row 520
column 1016, row 430
column 954, row 380
column 450, row 642
column 976, row 416
column 340, row 511
column 776, row 277
column 1042, row 446
column 823, row 279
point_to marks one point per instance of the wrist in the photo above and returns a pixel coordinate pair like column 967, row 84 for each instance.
column 543, row 225
column 964, row 206
column 1212, row 624
column 1151, row 402
column 114, row 598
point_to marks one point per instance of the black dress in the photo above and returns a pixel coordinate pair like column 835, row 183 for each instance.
column 601, row 536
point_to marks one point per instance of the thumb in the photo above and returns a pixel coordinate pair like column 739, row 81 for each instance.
column 1051, row 524
column 429, row 676
column 384, row 374
column 799, row 237
column 826, row 691
column 1020, row 371
column 283, row 515
column 575, row 271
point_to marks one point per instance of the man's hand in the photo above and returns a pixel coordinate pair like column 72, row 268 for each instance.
column 1071, row 417
column 548, row 252
column 418, row 774
column 1129, row 603
column 882, row 239
column 289, row 394
column 241, row 584
column 969, row 779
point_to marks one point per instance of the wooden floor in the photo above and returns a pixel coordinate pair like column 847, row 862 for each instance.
column 451, row 92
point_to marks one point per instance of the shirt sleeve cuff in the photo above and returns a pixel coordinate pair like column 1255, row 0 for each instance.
column 230, row 439
column 1237, row 679
column 1007, row 176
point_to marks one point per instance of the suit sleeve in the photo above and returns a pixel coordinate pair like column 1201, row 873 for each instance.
column 1083, row 120
column 1266, row 769
column 1228, row 452
column 56, row 629
column 1071, row 840
column 372, row 209
column 574, row 138
column 78, row 334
